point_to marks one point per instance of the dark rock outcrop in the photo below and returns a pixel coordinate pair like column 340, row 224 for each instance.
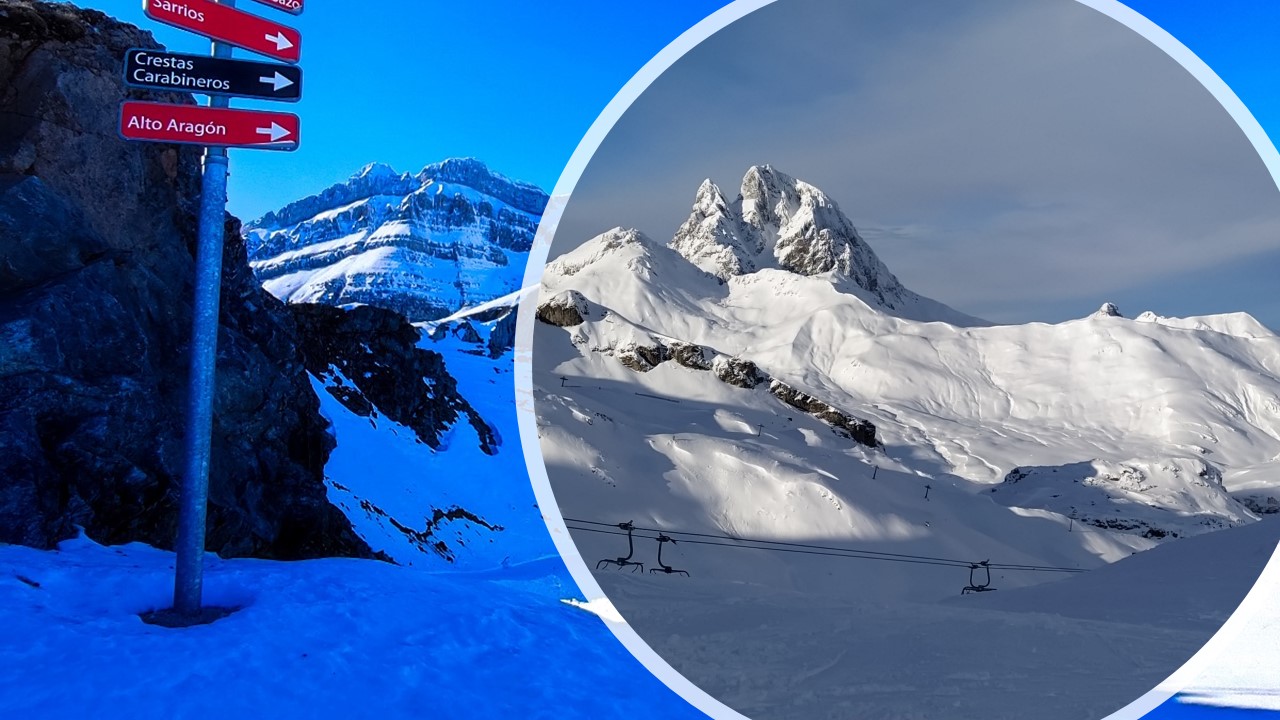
column 737, row 372
column 1261, row 504
column 503, row 335
column 466, row 332
column 567, row 309
column 856, row 429
column 694, row 357
column 96, row 250
column 643, row 358
column 371, row 363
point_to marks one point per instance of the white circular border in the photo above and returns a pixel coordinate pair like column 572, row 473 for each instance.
column 1268, row 584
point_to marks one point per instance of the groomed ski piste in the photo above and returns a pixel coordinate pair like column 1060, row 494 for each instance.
column 485, row 636
column 1116, row 473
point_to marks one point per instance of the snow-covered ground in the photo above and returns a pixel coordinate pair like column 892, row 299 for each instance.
column 1140, row 451
column 1244, row 672
column 315, row 639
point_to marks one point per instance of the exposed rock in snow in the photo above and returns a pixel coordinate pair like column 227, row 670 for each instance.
column 1172, row 498
column 851, row 427
column 370, row 361
column 694, row 357
column 567, row 309
column 737, row 371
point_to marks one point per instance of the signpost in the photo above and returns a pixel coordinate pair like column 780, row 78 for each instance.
column 157, row 70
column 197, row 125
column 290, row 6
column 224, row 23
column 217, row 127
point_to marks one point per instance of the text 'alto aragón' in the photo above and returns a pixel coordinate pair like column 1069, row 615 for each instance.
column 200, row 130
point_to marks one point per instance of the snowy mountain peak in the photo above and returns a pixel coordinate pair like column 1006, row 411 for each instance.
column 710, row 200
column 1108, row 310
column 770, row 197
column 428, row 245
column 781, row 223
column 627, row 245
column 474, row 174
column 377, row 171
column 620, row 236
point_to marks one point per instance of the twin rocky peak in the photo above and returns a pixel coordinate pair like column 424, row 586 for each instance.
column 777, row 221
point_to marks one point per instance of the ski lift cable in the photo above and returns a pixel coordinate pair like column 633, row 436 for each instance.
column 818, row 549
column 846, row 554
column 777, row 542
column 853, row 554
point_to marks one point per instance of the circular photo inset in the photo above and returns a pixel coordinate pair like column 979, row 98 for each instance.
column 915, row 360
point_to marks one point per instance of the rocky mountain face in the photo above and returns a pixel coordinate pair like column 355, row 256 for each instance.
column 97, row 236
column 369, row 360
column 779, row 221
column 455, row 235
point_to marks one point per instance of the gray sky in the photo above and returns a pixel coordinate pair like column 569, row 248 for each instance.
column 1016, row 160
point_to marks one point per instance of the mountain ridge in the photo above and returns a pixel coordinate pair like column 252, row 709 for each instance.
column 1143, row 429
column 426, row 245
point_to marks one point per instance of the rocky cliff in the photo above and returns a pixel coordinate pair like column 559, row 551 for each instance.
column 371, row 363
column 96, row 267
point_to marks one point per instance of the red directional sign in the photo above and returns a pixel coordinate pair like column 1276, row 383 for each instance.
column 199, row 125
column 289, row 6
column 228, row 25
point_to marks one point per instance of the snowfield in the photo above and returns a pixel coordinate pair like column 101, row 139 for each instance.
column 320, row 638
column 716, row 389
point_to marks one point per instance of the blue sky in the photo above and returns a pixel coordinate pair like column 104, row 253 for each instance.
column 407, row 82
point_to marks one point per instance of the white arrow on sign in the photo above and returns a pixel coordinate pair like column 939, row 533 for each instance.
column 282, row 42
column 275, row 131
column 277, row 83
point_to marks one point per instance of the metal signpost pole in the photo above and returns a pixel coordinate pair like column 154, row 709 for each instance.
column 194, row 497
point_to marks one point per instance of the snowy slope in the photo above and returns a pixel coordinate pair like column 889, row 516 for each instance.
column 321, row 638
column 455, row 503
column 713, row 385
column 454, row 235
column 1163, row 411
column 1078, row 649
column 1248, row 681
